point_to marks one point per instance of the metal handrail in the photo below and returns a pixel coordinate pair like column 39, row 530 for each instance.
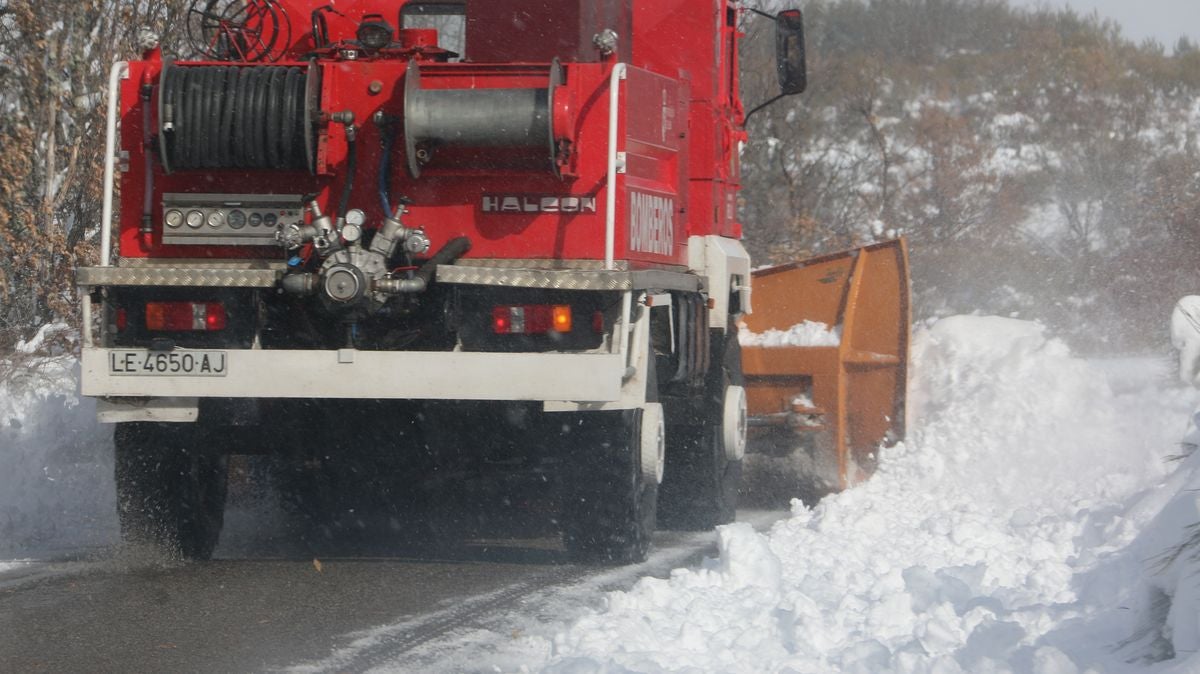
column 120, row 70
column 610, row 214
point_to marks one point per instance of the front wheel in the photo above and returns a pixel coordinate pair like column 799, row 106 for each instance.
column 610, row 493
column 706, row 446
column 170, row 488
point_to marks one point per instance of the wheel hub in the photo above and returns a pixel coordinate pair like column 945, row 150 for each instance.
column 734, row 420
column 653, row 442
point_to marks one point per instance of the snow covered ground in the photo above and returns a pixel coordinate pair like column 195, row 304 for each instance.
column 1020, row 528
column 56, row 494
column 1028, row 524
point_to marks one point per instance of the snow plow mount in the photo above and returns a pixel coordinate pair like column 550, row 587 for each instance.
column 849, row 396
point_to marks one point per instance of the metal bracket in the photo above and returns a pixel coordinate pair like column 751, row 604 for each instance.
column 170, row 410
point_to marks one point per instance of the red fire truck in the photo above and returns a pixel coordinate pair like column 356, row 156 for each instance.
column 435, row 228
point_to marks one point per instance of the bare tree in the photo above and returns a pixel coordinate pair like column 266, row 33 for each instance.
column 54, row 58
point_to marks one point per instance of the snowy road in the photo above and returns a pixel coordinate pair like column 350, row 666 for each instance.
column 1031, row 523
column 259, row 613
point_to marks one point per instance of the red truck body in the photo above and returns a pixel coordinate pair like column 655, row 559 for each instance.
column 679, row 130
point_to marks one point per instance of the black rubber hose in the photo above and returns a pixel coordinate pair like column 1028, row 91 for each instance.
column 263, row 118
column 215, row 140
column 272, row 122
column 454, row 249
column 177, row 101
column 256, row 119
column 213, row 120
column 282, row 26
column 288, row 130
column 245, row 115
column 145, row 93
column 232, row 79
column 201, row 79
column 194, row 102
column 187, row 100
column 385, row 167
column 174, row 94
column 320, row 28
column 231, row 117
column 301, row 132
column 240, row 136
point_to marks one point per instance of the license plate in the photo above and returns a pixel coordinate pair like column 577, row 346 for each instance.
column 168, row 363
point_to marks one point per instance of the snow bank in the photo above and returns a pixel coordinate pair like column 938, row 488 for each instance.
column 1167, row 598
column 808, row 333
column 56, row 484
column 994, row 540
column 35, row 343
column 1185, row 336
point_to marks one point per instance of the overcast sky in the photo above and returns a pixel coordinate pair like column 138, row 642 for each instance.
column 1164, row 20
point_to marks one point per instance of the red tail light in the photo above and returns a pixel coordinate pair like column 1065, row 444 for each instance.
column 531, row 319
column 501, row 321
column 185, row 316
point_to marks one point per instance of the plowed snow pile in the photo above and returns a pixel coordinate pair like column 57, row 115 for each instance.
column 1000, row 537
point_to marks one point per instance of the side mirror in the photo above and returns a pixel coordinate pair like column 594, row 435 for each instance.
column 789, row 52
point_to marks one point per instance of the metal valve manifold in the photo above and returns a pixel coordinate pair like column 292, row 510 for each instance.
column 351, row 276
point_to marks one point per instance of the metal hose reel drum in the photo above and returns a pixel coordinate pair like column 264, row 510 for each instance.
column 501, row 123
column 238, row 117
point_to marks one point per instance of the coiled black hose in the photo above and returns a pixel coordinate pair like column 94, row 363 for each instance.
column 229, row 117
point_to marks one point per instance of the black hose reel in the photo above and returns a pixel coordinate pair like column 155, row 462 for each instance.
column 238, row 117
column 491, row 120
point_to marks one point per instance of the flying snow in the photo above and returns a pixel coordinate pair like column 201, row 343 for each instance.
column 1003, row 536
column 56, row 492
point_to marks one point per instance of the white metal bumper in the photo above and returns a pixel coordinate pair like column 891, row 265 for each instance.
column 411, row 375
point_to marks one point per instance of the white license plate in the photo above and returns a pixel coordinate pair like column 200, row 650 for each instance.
column 168, row 363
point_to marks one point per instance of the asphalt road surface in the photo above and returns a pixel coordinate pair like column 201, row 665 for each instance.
column 266, row 604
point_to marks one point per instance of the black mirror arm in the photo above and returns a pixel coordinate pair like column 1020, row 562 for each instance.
column 776, row 20
column 760, row 106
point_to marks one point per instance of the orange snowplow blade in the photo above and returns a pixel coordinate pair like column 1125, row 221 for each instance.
column 850, row 397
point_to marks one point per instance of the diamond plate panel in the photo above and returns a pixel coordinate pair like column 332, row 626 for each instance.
column 546, row 279
column 199, row 263
column 178, row 277
column 557, row 265
column 535, row 278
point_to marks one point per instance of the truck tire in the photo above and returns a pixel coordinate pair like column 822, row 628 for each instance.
column 170, row 488
column 700, row 487
column 609, row 504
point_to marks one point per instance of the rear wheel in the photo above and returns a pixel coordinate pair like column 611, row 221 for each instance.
column 610, row 491
column 704, row 450
column 170, row 488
